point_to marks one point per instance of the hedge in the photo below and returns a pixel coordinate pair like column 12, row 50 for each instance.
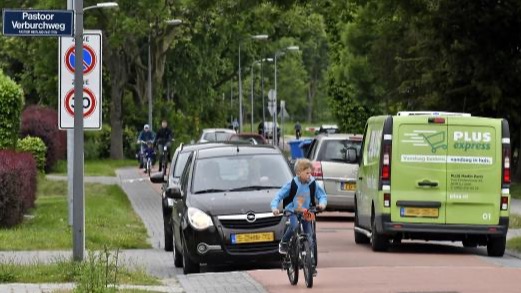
column 43, row 122
column 18, row 182
column 36, row 147
column 11, row 103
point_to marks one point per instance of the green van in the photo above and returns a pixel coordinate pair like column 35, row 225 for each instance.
column 434, row 176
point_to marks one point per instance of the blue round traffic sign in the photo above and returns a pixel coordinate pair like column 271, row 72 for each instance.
column 89, row 59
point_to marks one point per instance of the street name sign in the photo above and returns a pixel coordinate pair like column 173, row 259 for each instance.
column 91, row 64
column 40, row 23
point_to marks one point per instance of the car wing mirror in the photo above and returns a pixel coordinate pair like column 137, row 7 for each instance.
column 157, row 178
column 173, row 192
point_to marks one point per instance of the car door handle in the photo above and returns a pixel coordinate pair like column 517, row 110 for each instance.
column 426, row 183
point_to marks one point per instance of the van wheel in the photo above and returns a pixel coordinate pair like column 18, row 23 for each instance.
column 379, row 242
column 496, row 246
column 360, row 238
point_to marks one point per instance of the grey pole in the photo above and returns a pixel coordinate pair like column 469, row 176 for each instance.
column 262, row 94
column 240, row 91
column 78, row 192
column 275, row 107
column 251, row 97
column 149, row 88
column 70, row 153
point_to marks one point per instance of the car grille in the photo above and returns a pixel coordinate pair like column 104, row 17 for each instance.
column 243, row 224
column 252, row 247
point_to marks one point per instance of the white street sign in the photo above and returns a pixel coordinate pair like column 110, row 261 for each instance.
column 92, row 44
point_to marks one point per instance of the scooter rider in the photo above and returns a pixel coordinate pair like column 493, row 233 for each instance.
column 164, row 137
column 144, row 136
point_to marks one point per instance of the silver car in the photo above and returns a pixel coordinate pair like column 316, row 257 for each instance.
column 334, row 158
column 216, row 134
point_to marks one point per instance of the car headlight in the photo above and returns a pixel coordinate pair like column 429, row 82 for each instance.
column 198, row 219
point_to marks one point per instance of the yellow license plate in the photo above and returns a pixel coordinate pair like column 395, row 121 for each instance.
column 347, row 186
column 419, row 212
column 252, row 237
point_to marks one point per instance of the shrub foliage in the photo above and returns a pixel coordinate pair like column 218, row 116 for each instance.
column 11, row 103
column 36, row 147
column 18, row 182
column 43, row 122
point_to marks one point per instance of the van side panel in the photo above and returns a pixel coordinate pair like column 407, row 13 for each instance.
column 418, row 176
column 369, row 171
column 473, row 171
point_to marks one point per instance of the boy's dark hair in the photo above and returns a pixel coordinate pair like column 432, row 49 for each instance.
column 293, row 192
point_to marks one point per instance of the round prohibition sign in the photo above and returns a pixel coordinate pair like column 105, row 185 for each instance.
column 89, row 102
column 89, row 59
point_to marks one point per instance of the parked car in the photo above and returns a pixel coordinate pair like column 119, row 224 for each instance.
column 252, row 138
column 177, row 166
column 327, row 128
column 434, row 176
column 266, row 129
column 335, row 166
column 221, row 210
column 216, row 134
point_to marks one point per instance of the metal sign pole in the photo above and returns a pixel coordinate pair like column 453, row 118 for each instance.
column 70, row 154
column 78, row 230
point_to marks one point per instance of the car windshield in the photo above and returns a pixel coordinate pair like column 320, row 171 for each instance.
column 239, row 173
column 217, row 136
column 336, row 150
column 180, row 164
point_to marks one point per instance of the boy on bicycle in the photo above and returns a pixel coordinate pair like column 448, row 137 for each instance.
column 301, row 186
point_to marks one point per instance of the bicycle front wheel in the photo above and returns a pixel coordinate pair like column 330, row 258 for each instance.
column 292, row 266
column 307, row 263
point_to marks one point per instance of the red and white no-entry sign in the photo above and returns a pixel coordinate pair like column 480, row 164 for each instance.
column 91, row 61
column 89, row 103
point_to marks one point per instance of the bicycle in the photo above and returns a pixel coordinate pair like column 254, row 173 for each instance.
column 165, row 154
column 300, row 253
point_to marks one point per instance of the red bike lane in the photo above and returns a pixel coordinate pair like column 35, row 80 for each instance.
column 412, row 267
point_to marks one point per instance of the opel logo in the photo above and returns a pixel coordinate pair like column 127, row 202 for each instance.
column 250, row 217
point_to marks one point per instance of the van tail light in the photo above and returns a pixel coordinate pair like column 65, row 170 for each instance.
column 386, row 163
column 504, row 203
column 317, row 170
column 438, row 120
column 387, row 200
column 506, row 165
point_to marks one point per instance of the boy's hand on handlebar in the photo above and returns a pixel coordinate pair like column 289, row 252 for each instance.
column 275, row 212
column 321, row 207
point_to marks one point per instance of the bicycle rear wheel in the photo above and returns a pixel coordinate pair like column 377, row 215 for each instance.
column 307, row 263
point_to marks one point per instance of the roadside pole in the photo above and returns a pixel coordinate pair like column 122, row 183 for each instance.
column 78, row 231
column 70, row 153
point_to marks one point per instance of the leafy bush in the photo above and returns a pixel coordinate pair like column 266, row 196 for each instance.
column 11, row 102
column 18, row 181
column 36, row 147
column 43, row 122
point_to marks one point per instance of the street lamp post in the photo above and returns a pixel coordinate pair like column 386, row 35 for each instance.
column 149, row 83
column 252, row 83
column 75, row 140
column 254, row 37
column 277, row 54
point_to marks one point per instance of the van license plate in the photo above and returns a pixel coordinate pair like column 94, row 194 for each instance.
column 419, row 212
column 252, row 237
column 347, row 186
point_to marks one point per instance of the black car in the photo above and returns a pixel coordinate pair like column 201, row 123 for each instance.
column 221, row 211
column 179, row 159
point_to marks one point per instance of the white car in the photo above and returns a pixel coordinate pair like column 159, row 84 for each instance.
column 216, row 134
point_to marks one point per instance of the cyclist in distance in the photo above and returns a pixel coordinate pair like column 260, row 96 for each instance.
column 163, row 137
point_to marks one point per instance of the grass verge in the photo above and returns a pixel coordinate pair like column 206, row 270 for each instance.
column 97, row 167
column 109, row 221
column 515, row 190
column 514, row 244
column 514, row 221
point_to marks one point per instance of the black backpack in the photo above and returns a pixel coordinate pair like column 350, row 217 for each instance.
column 293, row 192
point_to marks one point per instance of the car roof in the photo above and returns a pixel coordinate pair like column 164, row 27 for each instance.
column 218, row 130
column 233, row 149
column 336, row 136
